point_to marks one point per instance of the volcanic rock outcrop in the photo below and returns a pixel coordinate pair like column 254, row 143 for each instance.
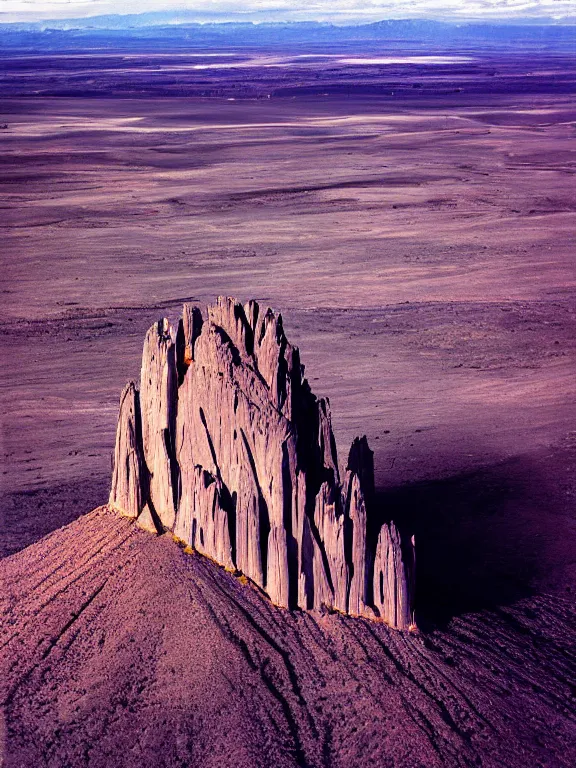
column 226, row 446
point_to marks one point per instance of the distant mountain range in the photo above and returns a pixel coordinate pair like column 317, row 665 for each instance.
column 177, row 29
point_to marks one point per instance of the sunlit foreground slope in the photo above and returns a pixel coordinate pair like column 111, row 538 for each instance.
column 120, row 649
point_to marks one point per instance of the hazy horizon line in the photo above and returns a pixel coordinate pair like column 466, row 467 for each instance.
column 330, row 12
column 207, row 19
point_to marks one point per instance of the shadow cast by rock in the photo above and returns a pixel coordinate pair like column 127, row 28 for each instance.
column 482, row 537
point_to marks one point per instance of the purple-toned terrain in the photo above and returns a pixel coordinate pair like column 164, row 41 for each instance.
column 413, row 221
column 120, row 649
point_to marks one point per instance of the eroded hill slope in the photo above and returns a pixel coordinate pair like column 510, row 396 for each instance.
column 121, row 649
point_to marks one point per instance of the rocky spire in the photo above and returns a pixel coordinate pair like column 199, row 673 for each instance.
column 128, row 492
column 227, row 447
column 158, row 401
column 393, row 578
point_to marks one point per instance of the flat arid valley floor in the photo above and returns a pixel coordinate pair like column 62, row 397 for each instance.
column 415, row 227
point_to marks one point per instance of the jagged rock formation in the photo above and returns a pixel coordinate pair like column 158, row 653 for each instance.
column 227, row 447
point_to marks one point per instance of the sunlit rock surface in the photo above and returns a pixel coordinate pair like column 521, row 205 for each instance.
column 227, row 447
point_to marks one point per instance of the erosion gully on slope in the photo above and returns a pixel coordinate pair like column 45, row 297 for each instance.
column 118, row 643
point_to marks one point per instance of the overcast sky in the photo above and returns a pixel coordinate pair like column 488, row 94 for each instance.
column 299, row 10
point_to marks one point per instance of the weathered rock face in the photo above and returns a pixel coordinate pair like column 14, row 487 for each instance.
column 128, row 492
column 158, row 401
column 227, row 447
column 393, row 577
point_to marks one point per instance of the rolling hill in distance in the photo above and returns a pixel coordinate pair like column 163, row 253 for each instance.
column 180, row 29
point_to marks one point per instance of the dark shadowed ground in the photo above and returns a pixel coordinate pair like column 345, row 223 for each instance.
column 414, row 224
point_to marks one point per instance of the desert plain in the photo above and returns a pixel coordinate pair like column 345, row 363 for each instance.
column 413, row 221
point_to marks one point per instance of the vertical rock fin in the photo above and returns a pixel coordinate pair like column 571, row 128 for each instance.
column 158, row 403
column 394, row 578
column 128, row 491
